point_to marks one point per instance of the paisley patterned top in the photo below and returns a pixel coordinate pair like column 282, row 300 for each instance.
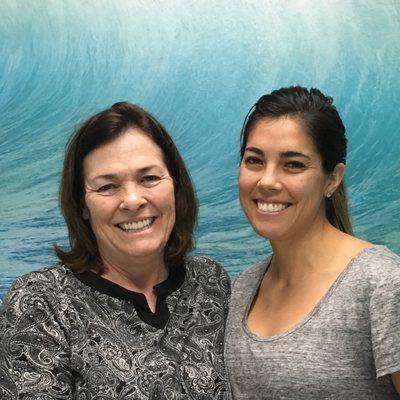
column 60, row 339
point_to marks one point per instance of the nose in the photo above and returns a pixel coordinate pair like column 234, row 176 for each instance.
column 269, row 180
column 132, row 198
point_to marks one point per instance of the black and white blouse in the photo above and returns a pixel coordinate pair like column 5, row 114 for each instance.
column 66, row 336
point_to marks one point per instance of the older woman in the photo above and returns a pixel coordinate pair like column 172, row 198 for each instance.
column 127, row 313
column 320, row 317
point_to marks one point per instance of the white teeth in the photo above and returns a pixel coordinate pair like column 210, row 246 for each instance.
column 271, row 207
column 135, row 226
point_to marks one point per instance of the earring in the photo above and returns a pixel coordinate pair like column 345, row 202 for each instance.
column 328, row 195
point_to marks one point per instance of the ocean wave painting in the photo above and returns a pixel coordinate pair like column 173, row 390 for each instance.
column 198, row 66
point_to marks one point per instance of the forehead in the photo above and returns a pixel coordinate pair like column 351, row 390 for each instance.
column 283, row 134
column 132, row 150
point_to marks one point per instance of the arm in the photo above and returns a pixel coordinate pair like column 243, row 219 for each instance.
column 34, row 354
column 396, row 381
column 385, row 317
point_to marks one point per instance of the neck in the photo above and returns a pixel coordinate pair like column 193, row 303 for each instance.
column 313, row 252
column 136, row 276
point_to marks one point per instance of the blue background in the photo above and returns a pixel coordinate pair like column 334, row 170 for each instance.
column 197, row 66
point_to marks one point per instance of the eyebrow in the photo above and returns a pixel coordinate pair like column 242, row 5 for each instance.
column 288, row 154
column 140, row 171
column 283, row 154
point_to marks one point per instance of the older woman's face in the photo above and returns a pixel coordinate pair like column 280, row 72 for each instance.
column 129, row 197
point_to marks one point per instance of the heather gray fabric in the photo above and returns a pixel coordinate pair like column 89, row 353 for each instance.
column 349, row 339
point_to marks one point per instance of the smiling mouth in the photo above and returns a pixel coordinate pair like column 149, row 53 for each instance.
column 136, row 226
column 271, row 207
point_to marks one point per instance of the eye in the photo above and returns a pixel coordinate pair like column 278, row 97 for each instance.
column 150, row 180
column 107, row 188
column 252, row 160
column 294, row 165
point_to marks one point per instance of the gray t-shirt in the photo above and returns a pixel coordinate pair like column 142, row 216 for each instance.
column 346, row 348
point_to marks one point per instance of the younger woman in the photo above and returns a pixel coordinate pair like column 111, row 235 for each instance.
column 320, row 317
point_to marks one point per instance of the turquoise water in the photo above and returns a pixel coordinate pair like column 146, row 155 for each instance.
column 198, row 66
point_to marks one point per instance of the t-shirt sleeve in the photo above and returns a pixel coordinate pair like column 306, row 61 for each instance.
column 34, row 355
column 385, row 316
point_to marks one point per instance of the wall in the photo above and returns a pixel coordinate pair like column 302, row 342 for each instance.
column 198, row 66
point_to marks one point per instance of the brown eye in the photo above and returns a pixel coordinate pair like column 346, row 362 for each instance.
column 251, row 160
column 150, row 180
column 295, row 165
column 106, row 188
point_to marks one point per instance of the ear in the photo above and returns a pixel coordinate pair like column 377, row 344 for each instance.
column 335, row 177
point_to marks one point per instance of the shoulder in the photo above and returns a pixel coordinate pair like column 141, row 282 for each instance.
column 381, row 277
column 199, row 264
column 381, row 255
column 204, row 269
column 45, row 277
column 34, row 303
column 251, row 275
column 42, row 285
column 378, row 265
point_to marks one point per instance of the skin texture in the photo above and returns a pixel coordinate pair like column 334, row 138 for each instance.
column 282, row 166
column 128, row 181
column 396, row 381
column 282, row 190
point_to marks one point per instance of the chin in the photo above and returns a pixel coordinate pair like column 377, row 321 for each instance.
column 263, row 233
column 269, row 234
column 143, row 253
column 137, row 252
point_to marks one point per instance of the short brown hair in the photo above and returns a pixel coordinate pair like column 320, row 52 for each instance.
column 98, row 130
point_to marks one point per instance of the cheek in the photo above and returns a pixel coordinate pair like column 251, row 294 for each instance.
column 246, row 185
column 167, row 201
column 98, row 209
column 309, row 190
column 245, row 182
column 170, row 215
column 301, row 187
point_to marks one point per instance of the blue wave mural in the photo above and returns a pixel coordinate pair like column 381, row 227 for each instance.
column 198, row 66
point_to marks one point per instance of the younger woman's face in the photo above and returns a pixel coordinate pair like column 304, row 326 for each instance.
column 282, row 184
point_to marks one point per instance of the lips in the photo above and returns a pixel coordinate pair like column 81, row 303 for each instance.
column 271, row 207
column 136, row 226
